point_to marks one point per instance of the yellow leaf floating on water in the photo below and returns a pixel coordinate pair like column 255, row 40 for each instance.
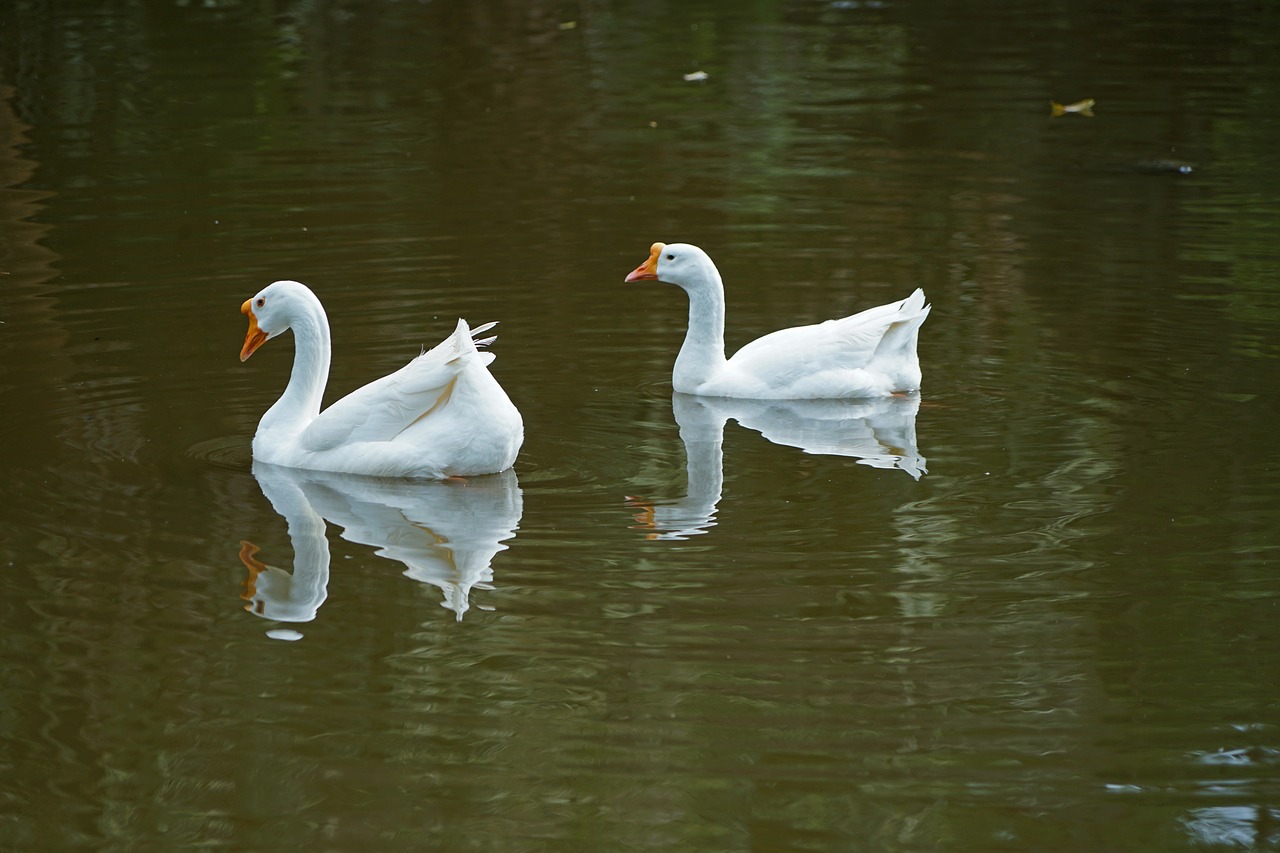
column 1084, row 108
column 569, row 25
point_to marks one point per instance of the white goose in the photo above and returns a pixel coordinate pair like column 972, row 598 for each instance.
column 441, row 415
column 869, row 354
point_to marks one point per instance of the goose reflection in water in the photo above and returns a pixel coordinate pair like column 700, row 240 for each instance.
column 446, row 533
column 880, row 433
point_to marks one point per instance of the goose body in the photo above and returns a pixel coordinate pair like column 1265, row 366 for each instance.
column 441, row 415
column 869, row 354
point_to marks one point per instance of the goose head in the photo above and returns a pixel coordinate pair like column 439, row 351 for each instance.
column 681, row 264
column 273, row 311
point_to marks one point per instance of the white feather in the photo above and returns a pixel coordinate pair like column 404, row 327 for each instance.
column 442, row 414
column 869, row 354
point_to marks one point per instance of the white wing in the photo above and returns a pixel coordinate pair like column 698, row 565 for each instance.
column 849, row 343
column 388, row 406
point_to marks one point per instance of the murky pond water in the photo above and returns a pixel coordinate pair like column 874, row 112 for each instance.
column 1036, row 606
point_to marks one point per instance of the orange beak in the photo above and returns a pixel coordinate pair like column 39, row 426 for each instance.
column 255, row 336
column 649, row 269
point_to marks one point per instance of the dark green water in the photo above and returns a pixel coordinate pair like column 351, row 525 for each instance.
column 1037, row 609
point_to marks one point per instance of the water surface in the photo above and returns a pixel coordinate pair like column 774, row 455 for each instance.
column 1033, row 608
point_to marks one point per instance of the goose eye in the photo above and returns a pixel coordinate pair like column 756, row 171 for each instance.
column 671, row 257
column 260, row 302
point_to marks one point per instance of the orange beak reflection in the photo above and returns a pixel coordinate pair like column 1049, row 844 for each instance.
column 255, row 336
column 649, row 269
column 645, row 516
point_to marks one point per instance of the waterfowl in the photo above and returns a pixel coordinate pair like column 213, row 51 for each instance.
column 441, row 415
column 869, row 354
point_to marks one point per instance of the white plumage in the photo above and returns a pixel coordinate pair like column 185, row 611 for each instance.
column 869, row 354
column 441, row 415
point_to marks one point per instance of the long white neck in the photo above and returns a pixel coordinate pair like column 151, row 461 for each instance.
column 300, row 402
column 702, row 353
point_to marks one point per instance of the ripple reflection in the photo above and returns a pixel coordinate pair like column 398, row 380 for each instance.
column 880, row 433
column 446, row 534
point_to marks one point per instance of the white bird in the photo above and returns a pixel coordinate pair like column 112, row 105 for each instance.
column 441, row 415
column 869, row 354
